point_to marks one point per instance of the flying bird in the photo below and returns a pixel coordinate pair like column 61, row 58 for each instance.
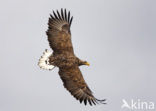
column 63, row 57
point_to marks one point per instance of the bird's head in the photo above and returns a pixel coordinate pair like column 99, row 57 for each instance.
column 81, row 62
column 84, row 63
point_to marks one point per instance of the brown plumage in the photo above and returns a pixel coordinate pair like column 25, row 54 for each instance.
column 63, row 57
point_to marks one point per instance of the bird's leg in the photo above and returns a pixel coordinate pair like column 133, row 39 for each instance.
column 51, row 60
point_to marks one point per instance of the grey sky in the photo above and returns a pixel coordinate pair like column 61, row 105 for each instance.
column 117, row 37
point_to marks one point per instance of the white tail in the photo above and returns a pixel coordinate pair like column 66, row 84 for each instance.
column 44, row 61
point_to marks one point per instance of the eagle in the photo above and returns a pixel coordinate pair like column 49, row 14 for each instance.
column 63, row 57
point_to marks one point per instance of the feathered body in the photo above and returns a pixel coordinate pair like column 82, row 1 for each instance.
column 63, row 57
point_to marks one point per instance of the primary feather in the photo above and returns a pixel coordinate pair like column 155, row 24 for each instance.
column 59, row 35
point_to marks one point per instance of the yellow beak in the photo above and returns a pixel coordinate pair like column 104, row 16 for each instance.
column 87, row 64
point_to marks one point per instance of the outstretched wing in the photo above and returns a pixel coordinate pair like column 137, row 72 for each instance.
column 73, row 81
column 58, row 32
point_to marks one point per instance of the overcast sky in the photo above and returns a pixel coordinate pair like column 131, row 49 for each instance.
column 117, row 37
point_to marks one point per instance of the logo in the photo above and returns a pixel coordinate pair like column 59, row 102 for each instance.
column 137, row 105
